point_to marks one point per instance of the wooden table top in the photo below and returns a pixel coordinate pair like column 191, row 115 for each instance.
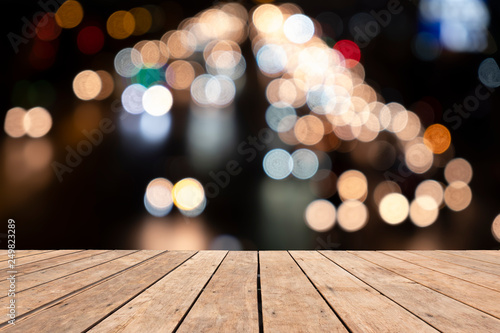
column 250, row 291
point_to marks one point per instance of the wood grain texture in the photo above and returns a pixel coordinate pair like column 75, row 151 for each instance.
column 471, row 294
column 361, row 307
column 31, row 280
column 49, row 263
column 23, row 264
column 42, row 295
column 290, row 303
column 22, row 253
column 468, row 274
column 462, row 261
column 217, row 291
column 229, row 301
column 163, row 305
column 478, row 255
column 81, row 311
column 440, row 311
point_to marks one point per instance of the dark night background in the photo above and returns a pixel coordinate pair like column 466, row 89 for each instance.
column 100, row 204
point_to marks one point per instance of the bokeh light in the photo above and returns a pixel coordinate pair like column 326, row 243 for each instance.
column 384, row 188
column 271, row 59
column 47, row 28
column 394, row 208
column 349, row 50
column 320, row 215
column 154, row 54
column 495, row 228
column 287, row 124
column 298, row 28
column 189, row 196
column 158, row 198
column 181, row 44
column 305, row 163
column 215, row 90
column 90, row 40
column 14, row 122
column 437, row 138
column 457, row 195
column 352, row 215
column 458, row 31
column 224, row 58
column 132, row 98
column 412, row 127
column 432, row 189
column 107, row 85
column 352, row 185
column 489, row 73
column 69, row 15
column 128, row 62
column 268, row 18
column 120, row 24
column 418, row 158
column 142, row 19
column 424, row 211
column 322, row 110
column 458, row 169
column 37, row 122
column 281, row 93
column 149, row 76
column 87, row 85
column 274, row 115
column 393, row 117
column 180, row 74
column 157, row 100
column 278, row 164
column 309, row 130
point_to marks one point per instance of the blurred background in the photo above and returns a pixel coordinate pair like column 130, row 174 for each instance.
column 348, row 124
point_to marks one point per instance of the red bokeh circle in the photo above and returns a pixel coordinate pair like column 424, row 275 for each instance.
column 90, row 40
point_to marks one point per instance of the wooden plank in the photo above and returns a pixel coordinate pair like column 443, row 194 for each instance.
column 462, row 261
column 478, row 255
column 468, row 274
column 290, row 303
column 440, row 311
column 23, row 253
column 51, row 262
column 229, row 301
column 39, row 297
column 362, row 308
column 21, row 262
column 161, row 307
column 471, row 294
column 78, row 313
column 34, row 279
